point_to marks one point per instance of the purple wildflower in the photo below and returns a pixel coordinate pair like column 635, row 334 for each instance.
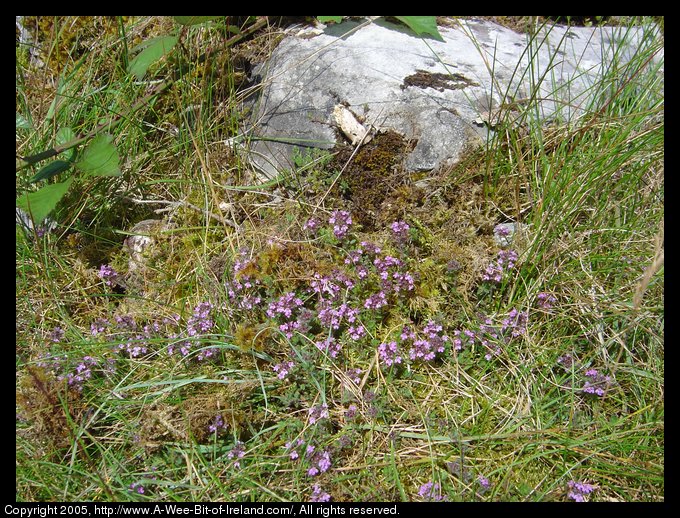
column 284, row 305
column 318, row 495
column 351, row 412
column 311, row 224
column 462, row 339
column 57, row 334
column 282, row 369
column 376, row 301
column 400, row 231
column 318, row 412
column 579, row 490
column 341, row 221
column 545, row 301
column 596, row 383
column 237, row 452
column 330, row 346
column 389, row 353
column 98, row 326
column 505, row 261
column 484, row 484
column 137, row 487
column 217, row 424
column 431, row 491
column 108, row 274
column 354, row 375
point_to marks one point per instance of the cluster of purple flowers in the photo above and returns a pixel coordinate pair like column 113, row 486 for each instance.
column 108, row 274
column 462, row 339
column 545, row 301
column 84, row 370
column 283, row 369
column 330, row 346
column 137, row 487
column 243, row 289
column 400, row 231
column 317, row 461
column 390, row 354
column 217, row 425
column 318, row 412
column 578, row 491
column 312, row 224
column 596, row 383
column 505, row 261
column 237, row 452
column 484, row 484
column 284, row 307
column 431, row 491
column 319, row 495
column 425, row 349
column 341, row 221
column 199, row 323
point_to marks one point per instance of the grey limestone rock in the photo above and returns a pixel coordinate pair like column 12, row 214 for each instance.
column 438, row 94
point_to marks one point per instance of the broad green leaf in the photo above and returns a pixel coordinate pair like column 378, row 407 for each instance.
column 64, row 136
column 194, row 20
column 155, row 49
column 22, row 122
column 326, row 19
column 40, row 203
column 51, row 169
column 100, row 158
column 422, row 25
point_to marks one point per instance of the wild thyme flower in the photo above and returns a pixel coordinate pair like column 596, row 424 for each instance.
column 291, row 448
column 282, row 369
column 318, row 495
column 217, row 425
column 356, row 332
column 351, row 412
column 237, row 452
column 284, row 305
column 108, row 274
column 125, row 322
column 426, row 349
column 320, row 462
column 545, row 301
column 330, row 346
column 484, row 484
column 389, row 353
column 200, row 322
column 133, row 346
column 81, row 373
column 325, row 286
column 596, row 383
column 318, row 412
column 578, row 491
column 515, row 322
column 376, row 301
column 341, row 221
column 312, row 224
column 400, row 231
column 462, row 339
column 505, row 261
column 98, row 326
column 137, row 487
column 431, row 491
column 354, row 375
column 56, row 335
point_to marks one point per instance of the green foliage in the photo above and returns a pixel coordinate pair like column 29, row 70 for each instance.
column 51, row 169
column 326, row 19
column 40, row 203
column 422, row 25
column 194, row 20
column 100, row 158
column 151, row 51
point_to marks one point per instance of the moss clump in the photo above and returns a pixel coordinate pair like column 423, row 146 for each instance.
column 373, row 174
